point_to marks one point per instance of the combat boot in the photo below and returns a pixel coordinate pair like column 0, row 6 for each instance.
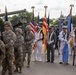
column 3, row 73
column 16, row 70
column 28, row 65
column 10, row 73
column 20, row 70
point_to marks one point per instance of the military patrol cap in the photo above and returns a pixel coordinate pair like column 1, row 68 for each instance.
column 64, row 27
column 9, row 24
column 28, row 27
column 18, row 30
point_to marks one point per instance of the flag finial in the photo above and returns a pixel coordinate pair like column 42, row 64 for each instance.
column 61, row 12
column 32, row 9
column 71, row 5
column 45, row 9
column 71, row 9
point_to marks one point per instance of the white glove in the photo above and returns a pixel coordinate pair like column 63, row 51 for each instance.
column 54, row 46
column 50, row 42
column 65, row 40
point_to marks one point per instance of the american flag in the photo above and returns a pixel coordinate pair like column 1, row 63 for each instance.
column 33, row 28
column 32, row 24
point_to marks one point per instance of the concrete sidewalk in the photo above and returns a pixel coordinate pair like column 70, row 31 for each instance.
column 43, row 68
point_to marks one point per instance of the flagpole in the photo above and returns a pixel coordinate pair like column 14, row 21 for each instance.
column 32, row 17
column 38, row 13
column 6, row 15
column 45, row 9
column 48, row 19
column 71, row 26
column 61, row 12
column 71, row 7
column 71, row 10
column 38, row 17
column 32, row 10
column 0, row 10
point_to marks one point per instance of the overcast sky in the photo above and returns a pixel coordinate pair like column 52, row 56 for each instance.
column 54, row 6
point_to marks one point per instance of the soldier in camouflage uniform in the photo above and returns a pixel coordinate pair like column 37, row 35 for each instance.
column 19, row 50
column 2, row 51
column 28, row 38
column 9, row 39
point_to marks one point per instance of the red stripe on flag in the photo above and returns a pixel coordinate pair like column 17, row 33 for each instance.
column 33, row 29
column 45, row 20
column 33, row 26
column 45, row 26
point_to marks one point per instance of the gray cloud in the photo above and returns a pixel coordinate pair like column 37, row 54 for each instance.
column 39, row 9
column 1, row 5
column 40, row 2
column 56, row 8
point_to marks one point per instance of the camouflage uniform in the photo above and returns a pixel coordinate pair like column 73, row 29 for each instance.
column 9, row 38
column 24, row 55
column 19, row 50
column 2, row 51
column 28, row 38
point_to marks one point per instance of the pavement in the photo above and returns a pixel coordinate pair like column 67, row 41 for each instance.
column 44, row 68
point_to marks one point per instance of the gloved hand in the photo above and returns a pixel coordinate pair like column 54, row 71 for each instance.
column 50, row 42
column 65, row 40
column 54, row 46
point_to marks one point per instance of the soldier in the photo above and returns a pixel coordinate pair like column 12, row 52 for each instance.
column 28, row 39
column 2, row 51
column 19, row 50
column 9, row 39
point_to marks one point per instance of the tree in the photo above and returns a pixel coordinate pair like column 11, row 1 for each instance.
column 56, row 22
column 1, row 24
column 51, row 21
column 14, row 16
column 27, row 16
column 74, row 20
